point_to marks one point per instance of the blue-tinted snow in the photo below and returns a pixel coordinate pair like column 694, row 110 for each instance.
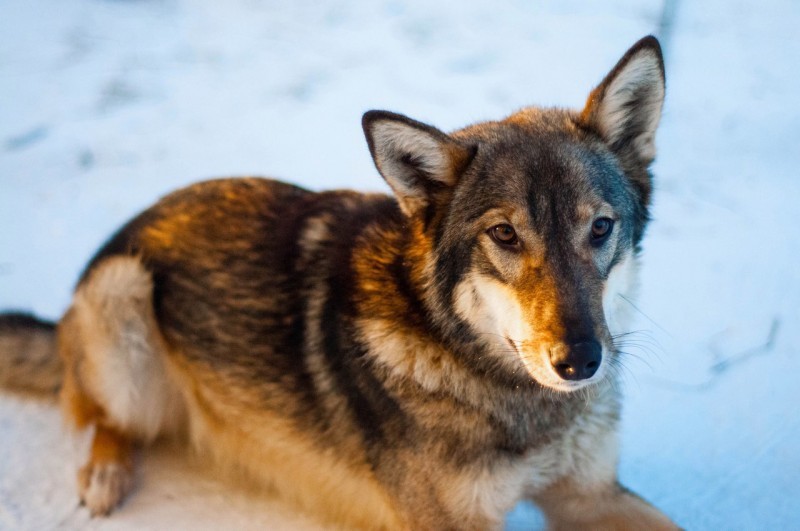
column 106, row 105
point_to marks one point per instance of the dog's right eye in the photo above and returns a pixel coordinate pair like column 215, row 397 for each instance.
column 504, row 234
column 601, row 229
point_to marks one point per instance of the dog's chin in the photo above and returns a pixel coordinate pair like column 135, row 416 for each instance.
column 567, row 386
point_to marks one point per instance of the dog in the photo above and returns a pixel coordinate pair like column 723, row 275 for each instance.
column 418, row 361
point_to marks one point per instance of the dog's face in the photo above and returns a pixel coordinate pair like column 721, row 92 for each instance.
column 533, row 221
column 544, row 226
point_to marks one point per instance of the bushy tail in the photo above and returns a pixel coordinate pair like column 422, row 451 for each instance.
column 29, row 361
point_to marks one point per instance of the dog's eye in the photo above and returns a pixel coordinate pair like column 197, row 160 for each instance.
column 504, row 234
column 601, row 229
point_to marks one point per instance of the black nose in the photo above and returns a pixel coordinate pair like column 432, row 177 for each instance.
column 577, row 361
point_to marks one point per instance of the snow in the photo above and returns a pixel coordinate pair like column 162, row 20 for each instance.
column 106, row 105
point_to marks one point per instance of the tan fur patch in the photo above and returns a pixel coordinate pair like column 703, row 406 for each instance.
column 270, row 450
column 114, row 354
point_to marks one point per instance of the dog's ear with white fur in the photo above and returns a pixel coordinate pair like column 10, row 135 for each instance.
column 626, row 107
column 418, row 161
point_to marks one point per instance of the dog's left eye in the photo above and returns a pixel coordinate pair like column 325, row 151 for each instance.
column 601, row 229
column 504, row 234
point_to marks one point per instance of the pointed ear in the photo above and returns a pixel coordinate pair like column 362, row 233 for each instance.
column 626, row 107
column 418, row 161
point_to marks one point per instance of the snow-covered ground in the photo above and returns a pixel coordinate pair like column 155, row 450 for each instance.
column 106, row 105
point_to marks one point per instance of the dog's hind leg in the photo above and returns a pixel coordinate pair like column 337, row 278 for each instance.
column 105, row 479
column 116, row 377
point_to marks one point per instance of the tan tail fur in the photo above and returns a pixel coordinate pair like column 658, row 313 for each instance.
column 29, row 361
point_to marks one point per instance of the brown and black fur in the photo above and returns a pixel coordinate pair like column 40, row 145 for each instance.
column 324, row 342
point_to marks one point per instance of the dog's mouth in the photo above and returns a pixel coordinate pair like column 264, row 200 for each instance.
column 540, row 369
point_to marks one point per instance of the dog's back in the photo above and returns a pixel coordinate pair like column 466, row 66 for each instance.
column 219, row 298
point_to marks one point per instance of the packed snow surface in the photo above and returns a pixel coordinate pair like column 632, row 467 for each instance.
column 107, row 105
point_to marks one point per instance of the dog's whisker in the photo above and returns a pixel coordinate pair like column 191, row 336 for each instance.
column 626, row 299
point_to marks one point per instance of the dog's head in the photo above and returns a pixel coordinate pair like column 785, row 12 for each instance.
column 530, row 225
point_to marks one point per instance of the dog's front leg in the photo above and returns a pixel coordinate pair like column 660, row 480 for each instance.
column 572, row 504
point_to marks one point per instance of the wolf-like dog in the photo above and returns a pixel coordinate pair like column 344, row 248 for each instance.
column 418, row 361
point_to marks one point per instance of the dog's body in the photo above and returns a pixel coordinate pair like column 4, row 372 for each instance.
column 417, row 362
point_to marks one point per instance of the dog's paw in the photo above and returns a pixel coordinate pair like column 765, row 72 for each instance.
column 103, row 485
